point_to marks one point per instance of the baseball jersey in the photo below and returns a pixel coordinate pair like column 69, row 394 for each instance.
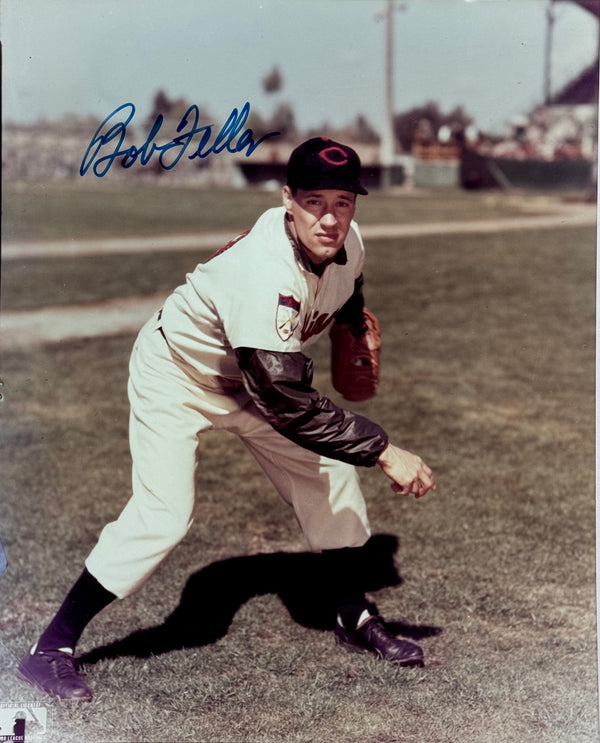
column 257, row 293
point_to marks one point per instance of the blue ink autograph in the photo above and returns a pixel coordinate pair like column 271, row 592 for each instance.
column 110, row 135
column 2, row 560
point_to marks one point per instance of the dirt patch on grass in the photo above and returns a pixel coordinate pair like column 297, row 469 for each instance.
column 26, row 328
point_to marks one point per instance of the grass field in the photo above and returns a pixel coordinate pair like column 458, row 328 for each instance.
column 488, row 372
column 83, row 209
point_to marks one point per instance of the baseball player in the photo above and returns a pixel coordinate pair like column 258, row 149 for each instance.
column 227, row 352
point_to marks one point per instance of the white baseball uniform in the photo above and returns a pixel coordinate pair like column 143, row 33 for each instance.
column 185, row 380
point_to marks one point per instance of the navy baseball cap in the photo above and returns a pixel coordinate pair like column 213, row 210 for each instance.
column 321, row 163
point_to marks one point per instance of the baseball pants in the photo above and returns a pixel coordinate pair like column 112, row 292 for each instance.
column 169, row 410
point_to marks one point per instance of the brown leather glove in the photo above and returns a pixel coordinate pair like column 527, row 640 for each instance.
column 355, row 358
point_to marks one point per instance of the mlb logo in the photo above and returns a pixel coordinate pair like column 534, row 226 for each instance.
column 287, row 317
column 23, row 722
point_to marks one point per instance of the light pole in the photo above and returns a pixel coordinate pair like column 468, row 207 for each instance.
column 548, row 52
column 387, row 147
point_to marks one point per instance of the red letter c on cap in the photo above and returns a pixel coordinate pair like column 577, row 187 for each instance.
column 334, row 155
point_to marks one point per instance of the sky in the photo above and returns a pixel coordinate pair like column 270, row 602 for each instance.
column 89, row 57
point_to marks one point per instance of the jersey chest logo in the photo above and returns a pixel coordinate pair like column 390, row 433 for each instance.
column 315, row 324
column 287, row 317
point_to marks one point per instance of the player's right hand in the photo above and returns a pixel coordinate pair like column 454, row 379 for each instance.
column 408, row 472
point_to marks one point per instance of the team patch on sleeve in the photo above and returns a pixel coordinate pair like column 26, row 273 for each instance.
column 287, row 317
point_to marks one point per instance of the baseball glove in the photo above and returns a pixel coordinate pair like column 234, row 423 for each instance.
column 355, row 358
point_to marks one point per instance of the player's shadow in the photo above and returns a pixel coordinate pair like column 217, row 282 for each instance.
column 305, row 582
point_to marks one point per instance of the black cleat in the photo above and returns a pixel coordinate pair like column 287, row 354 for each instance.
column 373, row 637
column 54, row 672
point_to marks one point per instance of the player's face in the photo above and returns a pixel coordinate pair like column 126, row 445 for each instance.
column 321, row 219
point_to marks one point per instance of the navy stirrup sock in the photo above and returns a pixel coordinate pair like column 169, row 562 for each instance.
column 86, row 598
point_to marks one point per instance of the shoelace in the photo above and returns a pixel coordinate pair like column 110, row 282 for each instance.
column 378, row 630
column 63, row 664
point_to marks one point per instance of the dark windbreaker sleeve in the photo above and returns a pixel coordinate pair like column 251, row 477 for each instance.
column 352, row 312
column 280, row 384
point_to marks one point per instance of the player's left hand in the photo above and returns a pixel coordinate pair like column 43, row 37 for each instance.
column 408, row 472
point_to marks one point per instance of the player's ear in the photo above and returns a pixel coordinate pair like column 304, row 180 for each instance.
column 287, row 198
